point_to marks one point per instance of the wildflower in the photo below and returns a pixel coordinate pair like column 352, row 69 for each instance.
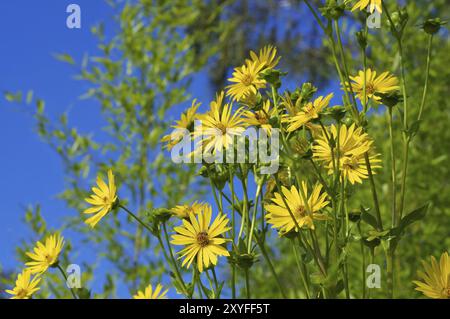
column 260, row 118
column 384, row 83
column 219, row 126
column 203, row 239
column 103, row 199
column 267, row 57
column 45, row 256
column 436, row 278
column 183, row 211
column 184, row 123
column 246, row 80
column 149, row 293
column 309, row 112
column 305, row 213
column 25, row 286
column 373, row 5
column 353, row 145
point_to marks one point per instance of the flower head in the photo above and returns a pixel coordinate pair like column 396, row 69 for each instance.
column 260, row 118
column 25, row 286
column 309, row 112
column 185, row 123
column 45, row 255
column 373, row 5
column 246, row 80
column 202, row 239
column 183, row 211
column 149, row 293
column 267, row 57
column 436, row 278
column 103, row 199
column 351, row 146
column 382, row 84
column 305, row 213
column 219, row 126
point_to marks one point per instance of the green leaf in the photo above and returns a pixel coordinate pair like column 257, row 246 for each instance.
column 415, row 215
column 368, row 218
column 64, row 57
column 13, row 97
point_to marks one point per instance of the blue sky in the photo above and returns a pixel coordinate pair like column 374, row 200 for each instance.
column 32, row 32
column 31, row 173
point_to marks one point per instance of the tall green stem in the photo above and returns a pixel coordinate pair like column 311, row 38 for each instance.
column 65, row 280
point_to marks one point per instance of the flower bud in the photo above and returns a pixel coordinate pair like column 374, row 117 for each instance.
column 362, row 39
column 432, row 26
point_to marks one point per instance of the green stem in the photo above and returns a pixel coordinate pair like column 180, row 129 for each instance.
column 393, row 169
column 233, row 235
column 175, row 265
column 65, row 281
column 427, row 75
column 247, row 283
column 255, row 207
column 271, row 267
column 363, row 266
column 301, row 270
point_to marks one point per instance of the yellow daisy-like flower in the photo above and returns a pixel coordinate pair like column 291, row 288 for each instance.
column 309, row 112
column 246, row 80
column 436, row 278
column 183, row 211
column 280, row 216
column 186, row 121
column 373, row 5
column 103, row 199
column 219, row 127
column 384, row 83
column 267, row 57
column 353, row 144
column 25, row 286
column 260, row 118
column 203, row 239
column 149, row 293
column 45, row 256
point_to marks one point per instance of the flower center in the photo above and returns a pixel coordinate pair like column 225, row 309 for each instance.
column 370, row 88
column 247, row 79
column 22, row 293
column 261, row 118
column 350, row 163
column 446, row 292
column 300, row 211
column 203, row 239
column 48, row 259
column 222, row 128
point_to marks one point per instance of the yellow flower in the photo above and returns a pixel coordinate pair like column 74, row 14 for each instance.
column 436, row 278
column 353, row 144
column 45, row 256
column 280, row 216
column 203, row 239
column 309, row 112
column 246, row 80
column 373, row 5
column 149, row 293
column 384, row 83
column 25, row 286
column 219, row 127
column 183, row 211
column 103, row 199
column 267, row 57
column 185, row 122
column 260, row 118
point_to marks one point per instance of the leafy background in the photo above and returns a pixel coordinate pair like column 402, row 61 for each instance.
column 84, row 100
